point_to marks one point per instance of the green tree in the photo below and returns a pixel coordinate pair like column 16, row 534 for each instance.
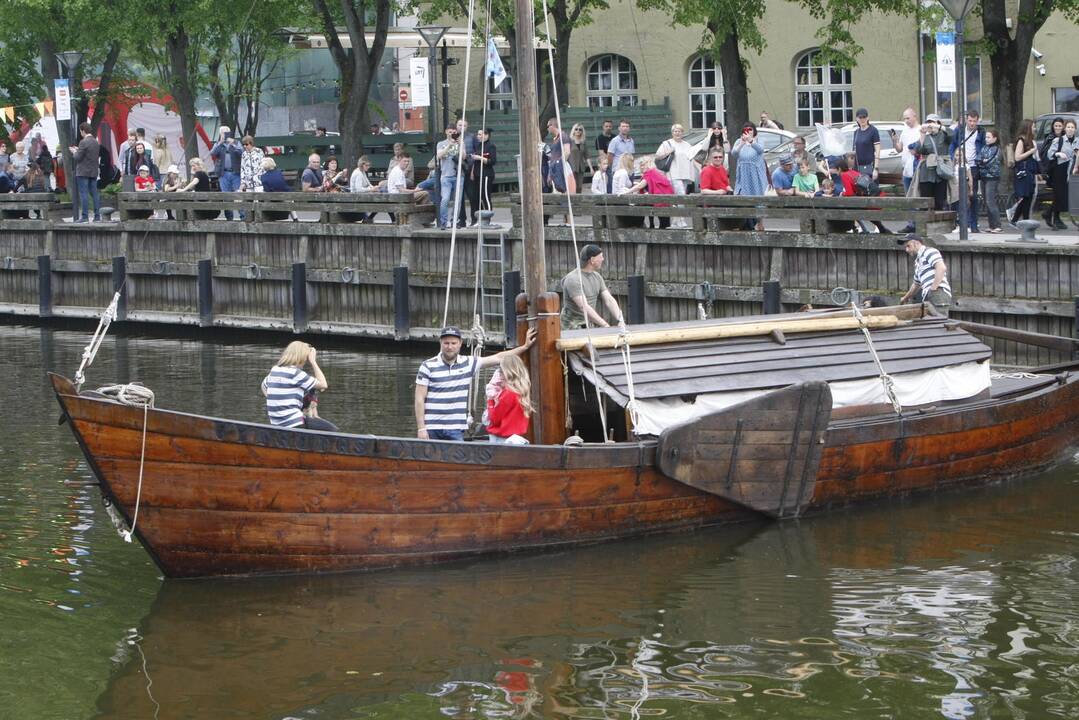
column 358, row 63
column 1009, row 50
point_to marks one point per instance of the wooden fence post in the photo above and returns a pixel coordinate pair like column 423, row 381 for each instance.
column 206, row 292
column 635, row 284
column 771, row 290
column 299, row 297
column 44, row 286
column 401, row 312
column 119, row 283
column 511, row 288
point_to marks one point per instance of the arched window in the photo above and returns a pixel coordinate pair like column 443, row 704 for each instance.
column 824, row 93
column 500, row 97
column 705, row 93
column 612, row 80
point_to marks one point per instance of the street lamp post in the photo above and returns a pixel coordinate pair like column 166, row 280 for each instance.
column 431, row 35
column 70, row 60
column 959, row 9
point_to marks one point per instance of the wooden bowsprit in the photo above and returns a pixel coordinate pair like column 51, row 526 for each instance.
column 762, row 453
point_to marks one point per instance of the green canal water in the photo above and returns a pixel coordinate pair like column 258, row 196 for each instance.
column 954, row 606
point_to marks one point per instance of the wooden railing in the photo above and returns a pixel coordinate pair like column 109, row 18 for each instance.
column 270, row 207
column 19, row 206
column 729, row 213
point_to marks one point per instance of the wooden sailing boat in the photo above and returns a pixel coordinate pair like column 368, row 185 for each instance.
column 777, row 416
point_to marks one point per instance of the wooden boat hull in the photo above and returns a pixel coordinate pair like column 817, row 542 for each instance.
column 221, row 497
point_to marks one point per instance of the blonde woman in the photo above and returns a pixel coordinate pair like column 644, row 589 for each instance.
column 508, row 411
column 162, row 157
column 623, row 175
column 200, row 181
column 683, row 171
column 578, row 155
column 290, row 392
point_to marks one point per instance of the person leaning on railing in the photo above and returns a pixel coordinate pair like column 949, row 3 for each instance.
column 273, row 180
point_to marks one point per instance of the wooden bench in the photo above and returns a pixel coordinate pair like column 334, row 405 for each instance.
column 270, row 207
column 16, row 206
column 730, row 213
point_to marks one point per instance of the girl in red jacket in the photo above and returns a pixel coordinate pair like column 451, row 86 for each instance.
column 508, row 411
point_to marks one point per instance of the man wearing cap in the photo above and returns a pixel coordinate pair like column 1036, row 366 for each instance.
column 930, row 275
column 866, row 144
column 581, row 292
column 783, row 177
column 442, row 383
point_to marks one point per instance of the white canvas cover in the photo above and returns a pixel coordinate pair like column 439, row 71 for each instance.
column 953, row 382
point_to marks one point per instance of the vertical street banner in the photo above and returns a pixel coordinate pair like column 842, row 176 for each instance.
column 419, row 81
column 945, row 62
column 63, row 99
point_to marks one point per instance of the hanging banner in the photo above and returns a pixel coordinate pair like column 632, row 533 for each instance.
column 419, row 82
column 8, row 113
column 495, row 69
column 63, row 99
column 945, row 62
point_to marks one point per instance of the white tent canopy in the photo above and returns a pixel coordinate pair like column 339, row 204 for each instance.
column 395, row 38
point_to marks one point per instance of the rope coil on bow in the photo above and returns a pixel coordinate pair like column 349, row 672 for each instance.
column 135, row 395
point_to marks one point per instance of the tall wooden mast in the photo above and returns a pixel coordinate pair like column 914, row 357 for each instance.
column 548, row 422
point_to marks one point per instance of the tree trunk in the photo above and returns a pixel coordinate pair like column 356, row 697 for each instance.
column 183, row 92
column 735, row 84
column 101, row 95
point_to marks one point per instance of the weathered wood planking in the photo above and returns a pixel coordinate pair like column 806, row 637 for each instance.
column 349, row 270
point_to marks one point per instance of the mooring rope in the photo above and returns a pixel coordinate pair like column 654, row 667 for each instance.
column 885, row 379
column 135, row 395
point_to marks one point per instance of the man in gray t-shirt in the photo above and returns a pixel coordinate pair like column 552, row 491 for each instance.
column 581, row 292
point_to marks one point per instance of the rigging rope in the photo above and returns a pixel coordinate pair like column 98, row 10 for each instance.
column 885, row 379
column 90, row 351
column 135, row 395
column 460, row 164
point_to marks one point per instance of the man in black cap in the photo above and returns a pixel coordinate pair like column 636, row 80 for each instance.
column 581, row 292
column 866, row 145
column 442, row 384
column 930, row 275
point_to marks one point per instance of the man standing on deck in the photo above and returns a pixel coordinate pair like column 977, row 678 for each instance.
column 442, row 384
column 581, row 293
column 930, row 275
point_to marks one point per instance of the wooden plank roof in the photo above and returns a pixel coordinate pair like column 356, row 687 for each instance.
column 752, row 363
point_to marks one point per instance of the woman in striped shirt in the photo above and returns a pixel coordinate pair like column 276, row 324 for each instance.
column 287, row 387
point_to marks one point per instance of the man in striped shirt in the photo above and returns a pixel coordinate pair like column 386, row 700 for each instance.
column 442, row 384
column 930, row 275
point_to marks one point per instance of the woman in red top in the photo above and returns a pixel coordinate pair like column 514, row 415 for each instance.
column 508, row 412
column 655, row 182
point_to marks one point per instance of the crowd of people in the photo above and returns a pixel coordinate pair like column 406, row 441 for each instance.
column 929, row 154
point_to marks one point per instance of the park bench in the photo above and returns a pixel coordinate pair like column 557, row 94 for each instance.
column 730, row 212
column 268, row 207
column 15, row 206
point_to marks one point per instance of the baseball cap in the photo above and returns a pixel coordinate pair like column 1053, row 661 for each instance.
column 908, row 237
column 932, row 117
column 172, row 169
column 589, row 251
column 786, row 159
column 450, row 331
column 861, row 112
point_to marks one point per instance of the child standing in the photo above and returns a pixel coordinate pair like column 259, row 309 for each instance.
column 508, row 412
column 599, row 179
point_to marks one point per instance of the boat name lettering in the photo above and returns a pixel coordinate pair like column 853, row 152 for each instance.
column 440, row 452
column 290, row 440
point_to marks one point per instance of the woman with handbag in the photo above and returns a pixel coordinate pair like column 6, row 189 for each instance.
column 1024, row 185
column 675, row 157
column 935, row 168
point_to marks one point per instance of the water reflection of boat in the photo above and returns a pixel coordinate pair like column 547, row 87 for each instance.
column 214, row 647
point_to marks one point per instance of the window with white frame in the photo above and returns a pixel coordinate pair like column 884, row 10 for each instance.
column 705, row 93
column 823, row 94
column 500, row 97
column 611, row 81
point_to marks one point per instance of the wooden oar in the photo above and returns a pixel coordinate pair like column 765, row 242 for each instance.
column 716, row 332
